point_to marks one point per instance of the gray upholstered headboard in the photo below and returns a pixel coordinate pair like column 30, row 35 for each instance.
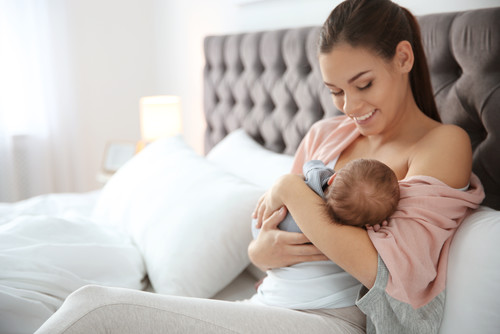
column 269, row 83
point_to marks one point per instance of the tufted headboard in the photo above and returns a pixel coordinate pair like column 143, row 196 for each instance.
column 269, row 83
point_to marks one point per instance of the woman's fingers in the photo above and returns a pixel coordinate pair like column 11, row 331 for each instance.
column 271, row 250
column 257, row 212
column 260, row 215
column 307, row 258
column 274, row 248
column 274, row 219
column 294, row 238
column 299, row 249
column 304, row 253
column 299, row 244
column 305, row 250
column 259, row 203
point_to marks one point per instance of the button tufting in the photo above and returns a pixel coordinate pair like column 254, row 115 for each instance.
column 270, row 84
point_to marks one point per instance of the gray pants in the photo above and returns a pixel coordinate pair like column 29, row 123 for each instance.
column 94, row 309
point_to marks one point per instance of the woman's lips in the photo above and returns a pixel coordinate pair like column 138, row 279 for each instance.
column 364, row 118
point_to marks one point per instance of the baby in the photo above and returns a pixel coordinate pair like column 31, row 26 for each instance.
column 363, row 193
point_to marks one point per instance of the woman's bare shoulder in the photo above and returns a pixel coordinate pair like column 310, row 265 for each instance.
column 444, row 153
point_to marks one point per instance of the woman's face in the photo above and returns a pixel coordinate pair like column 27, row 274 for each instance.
column 365, row 87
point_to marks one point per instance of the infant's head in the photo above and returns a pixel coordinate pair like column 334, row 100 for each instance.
column 365, row 191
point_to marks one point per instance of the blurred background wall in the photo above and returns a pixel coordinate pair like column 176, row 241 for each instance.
column 101, row 56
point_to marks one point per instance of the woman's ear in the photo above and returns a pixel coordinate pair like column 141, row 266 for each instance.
column 404, row 57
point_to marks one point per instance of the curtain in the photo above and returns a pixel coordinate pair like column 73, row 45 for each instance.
column 37, row 120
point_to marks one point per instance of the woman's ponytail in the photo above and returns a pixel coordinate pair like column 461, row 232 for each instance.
column 420, row 78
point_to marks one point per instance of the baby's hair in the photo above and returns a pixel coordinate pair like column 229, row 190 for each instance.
column 365, row 191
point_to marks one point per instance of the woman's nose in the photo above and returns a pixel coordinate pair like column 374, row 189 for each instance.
column 351, row 104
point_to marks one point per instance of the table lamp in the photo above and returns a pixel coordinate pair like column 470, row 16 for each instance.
column 160, row 117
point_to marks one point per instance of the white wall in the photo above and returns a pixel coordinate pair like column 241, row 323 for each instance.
column 126, row 49
column 113, row 60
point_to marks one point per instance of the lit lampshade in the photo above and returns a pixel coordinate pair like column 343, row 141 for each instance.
column 160, row 117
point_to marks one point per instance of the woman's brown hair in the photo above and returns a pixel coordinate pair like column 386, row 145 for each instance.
column 380, row 25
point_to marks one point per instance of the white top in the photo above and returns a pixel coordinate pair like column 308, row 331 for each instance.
column 308, row 285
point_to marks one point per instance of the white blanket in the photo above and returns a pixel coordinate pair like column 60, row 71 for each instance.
column 43, row 258
column 55, row 205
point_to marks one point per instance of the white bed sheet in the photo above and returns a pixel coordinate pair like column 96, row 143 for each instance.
column 49, row 248
column 57, row 205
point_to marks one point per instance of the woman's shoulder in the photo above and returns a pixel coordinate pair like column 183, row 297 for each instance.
column 446, row 137
column 445, row 153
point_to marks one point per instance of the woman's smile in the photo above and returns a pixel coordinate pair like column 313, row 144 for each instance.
column 363, row 119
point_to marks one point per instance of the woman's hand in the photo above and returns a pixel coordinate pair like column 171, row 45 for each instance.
column 266, row 206
column 274, row 248
column 268, row 203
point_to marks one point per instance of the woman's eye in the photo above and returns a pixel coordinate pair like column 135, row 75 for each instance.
column 339, row 93
column 368, row 85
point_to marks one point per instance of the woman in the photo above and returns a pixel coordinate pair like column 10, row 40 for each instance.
column 372, row 61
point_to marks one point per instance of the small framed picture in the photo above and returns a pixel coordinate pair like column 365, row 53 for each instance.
column 116, row 154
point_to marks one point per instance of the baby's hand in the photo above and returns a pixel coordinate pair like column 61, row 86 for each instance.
column 376, row 227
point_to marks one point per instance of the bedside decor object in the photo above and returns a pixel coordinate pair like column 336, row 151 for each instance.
column 116, row 154
column 160, row 117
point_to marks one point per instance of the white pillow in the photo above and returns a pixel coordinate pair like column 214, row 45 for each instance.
column 472, row 290
column 243, row 156
column 190, row 218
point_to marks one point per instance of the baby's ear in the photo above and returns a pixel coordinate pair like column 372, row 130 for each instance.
column 330, row 180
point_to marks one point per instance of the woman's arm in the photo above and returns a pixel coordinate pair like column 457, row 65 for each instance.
column 274, row 248
column 348, row 246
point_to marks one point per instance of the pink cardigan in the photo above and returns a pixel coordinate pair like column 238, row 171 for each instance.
column 415, row 244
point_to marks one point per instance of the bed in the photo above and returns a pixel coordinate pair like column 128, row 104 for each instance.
column 171, row 221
